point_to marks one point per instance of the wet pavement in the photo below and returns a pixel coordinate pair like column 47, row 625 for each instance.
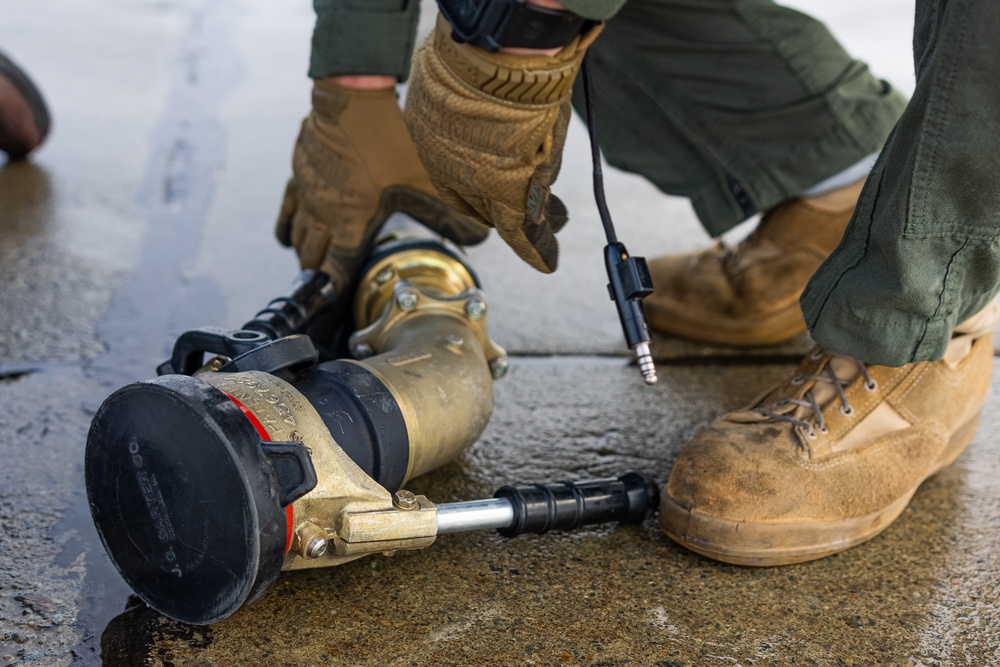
column 149, row 211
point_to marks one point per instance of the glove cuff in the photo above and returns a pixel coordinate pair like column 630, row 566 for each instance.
column 522, row 79
column 330, row 99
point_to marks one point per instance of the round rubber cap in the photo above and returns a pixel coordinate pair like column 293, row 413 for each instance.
column 184, row 499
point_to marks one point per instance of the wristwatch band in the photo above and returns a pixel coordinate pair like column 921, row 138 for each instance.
column 493, row 24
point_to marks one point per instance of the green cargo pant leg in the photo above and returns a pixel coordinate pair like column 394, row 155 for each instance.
column 363, row 37
column 736, row 104
column 922, row 252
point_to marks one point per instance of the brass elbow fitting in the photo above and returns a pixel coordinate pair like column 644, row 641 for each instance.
column 423, row 339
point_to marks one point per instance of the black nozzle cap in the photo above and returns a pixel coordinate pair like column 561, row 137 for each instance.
column 184, row 498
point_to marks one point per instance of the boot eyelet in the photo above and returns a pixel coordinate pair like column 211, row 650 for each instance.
column 816, row 354
column 797, row 380
column 811, row 434
column 823, row 431
column 847, row 410
column 871, row 386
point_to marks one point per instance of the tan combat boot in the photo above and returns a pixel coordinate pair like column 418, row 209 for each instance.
column 749, row 295
column 24, row 118
column 830, row 457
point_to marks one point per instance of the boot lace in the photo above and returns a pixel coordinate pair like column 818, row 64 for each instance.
column 809, row 400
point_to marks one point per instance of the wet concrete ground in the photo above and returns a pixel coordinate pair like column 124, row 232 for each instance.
column 149, row 212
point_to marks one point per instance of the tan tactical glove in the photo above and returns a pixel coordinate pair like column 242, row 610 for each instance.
column 490, row 129
column 354, row 165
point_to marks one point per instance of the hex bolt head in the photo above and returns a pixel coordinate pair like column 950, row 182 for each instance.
column 362, row 351
column 385, row 276
column 405, row 500
column 499, row 367
column 316, row 547
column 406, row 300
column 475, row 308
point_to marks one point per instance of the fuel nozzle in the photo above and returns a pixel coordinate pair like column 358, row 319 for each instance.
column 630, row 284
column 208, row 482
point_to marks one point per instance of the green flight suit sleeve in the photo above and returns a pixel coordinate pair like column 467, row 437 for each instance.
column 377, row 36
column 598, row 10
column 363, row 37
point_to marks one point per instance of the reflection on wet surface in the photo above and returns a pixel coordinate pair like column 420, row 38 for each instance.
column 25, row 202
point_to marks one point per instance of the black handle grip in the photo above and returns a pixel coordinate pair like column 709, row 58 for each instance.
column 629, row 498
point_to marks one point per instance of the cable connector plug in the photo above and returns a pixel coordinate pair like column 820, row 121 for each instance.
column 630, row 284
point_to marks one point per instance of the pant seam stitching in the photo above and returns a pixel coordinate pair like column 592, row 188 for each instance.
column 936, row 316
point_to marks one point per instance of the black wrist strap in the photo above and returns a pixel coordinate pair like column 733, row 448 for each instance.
column 534, row 27
column 493, row 24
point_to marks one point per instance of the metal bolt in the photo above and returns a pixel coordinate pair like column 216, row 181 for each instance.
column 405, row 500
column 312, row 540
column 362, row 350
column 215, row 364
column 498, row 367
column 476, row 308
column 455, row 341
column 406, row 300
column 385, row 276
column 316, row 547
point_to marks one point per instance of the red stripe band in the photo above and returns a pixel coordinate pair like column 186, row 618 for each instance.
column 267, row 438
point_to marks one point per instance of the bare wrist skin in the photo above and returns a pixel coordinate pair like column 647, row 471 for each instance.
column 548, row 4
column 514, row 50
column 363, row 81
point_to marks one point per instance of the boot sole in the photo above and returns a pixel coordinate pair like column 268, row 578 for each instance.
column 769, row 544
column 777, row 328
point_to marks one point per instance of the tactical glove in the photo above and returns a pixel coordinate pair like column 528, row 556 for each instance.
column 490, row 129
column 354, row 165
